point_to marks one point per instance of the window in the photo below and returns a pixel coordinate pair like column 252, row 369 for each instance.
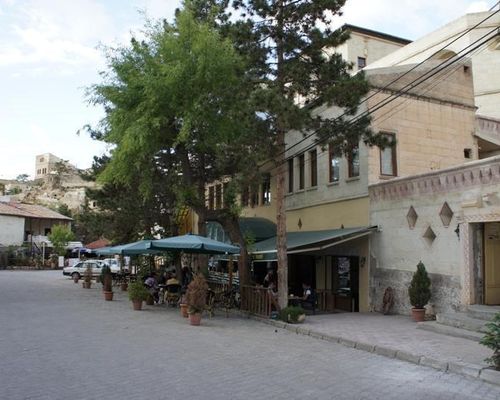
column 301, row 171
column 266, row 189
column 211, row 198
column 225, row 189
column 290, row 175
column 313, row 158
column 254, row 196
column 388, row 163
column 333, row 164
column 245, row 196
column 353, row 162
column 218, row 197
column 361, row 62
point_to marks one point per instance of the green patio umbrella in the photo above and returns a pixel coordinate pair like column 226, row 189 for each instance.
column 194, row 244
column 129, row 249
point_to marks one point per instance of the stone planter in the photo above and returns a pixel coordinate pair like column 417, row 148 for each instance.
column 86, row 285
column 137, row 304
column 124, row 286
column 195, row 319
column 108, row 296
column 418, row 314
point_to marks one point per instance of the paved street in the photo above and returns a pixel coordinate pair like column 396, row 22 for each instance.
column 59, row 341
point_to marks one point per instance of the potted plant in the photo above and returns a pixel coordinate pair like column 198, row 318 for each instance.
column 196, row 298
column 107, row 283
column 419, row 292
column 492, row 340
column 137, row 293
column 293, row 314
column 87, row 278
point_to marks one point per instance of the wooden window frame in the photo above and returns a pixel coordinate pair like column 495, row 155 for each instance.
column 332, row 154
column 302, row 171
column 290, row 176
column 394, row 159
column 350, row 163
column 313, row 165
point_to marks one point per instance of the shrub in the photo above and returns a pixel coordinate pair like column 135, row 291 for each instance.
column 196, row 296
column 87, row 275
column 291, row 314
column 137, row 291
column 107, row 279
column 492, row 340
column 420, row 287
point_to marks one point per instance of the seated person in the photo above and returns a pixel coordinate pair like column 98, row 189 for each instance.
column 173, row 292
column 273, row 296
column 152, row 286
column 308, row 296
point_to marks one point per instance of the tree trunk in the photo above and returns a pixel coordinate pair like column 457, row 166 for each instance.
column 281, row 248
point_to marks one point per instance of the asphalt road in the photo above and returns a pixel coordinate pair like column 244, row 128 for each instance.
column 59, row 341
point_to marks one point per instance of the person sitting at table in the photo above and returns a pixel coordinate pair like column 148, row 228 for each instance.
column 273, row 296
column 152, row 285
column 270, row 278
column 173, row 292
column 308, row 297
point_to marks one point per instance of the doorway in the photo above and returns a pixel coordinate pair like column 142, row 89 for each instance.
column 492, row 263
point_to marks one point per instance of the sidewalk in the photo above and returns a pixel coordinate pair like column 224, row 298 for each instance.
column 397, row 336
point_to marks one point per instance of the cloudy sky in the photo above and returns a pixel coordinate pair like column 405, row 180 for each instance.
column 49, row 54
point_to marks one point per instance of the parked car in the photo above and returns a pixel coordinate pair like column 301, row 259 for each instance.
column 79, row 268
column 114, row 265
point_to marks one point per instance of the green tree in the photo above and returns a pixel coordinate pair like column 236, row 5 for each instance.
column 59, row 236
column 420, row 287
column 285, row 43
column 22, row 178
column 177, row 111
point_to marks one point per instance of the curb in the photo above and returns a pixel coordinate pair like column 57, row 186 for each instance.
column 484, row 374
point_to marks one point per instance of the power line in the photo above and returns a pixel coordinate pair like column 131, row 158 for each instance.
column 406, row 89
column 437, row 79
column 392, row 82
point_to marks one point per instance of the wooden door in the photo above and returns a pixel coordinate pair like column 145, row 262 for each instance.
column 492, row 263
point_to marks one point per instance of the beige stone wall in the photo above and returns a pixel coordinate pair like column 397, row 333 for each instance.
column 349, row 213
column 431, row 133
column 471, row 191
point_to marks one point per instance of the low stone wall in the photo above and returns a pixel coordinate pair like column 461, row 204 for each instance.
column 445, row 291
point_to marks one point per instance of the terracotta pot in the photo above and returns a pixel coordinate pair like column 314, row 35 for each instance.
column 184, row 310
column 124, row 286
column 418, row 314
column 86, row 285
column 108, row 296
column 76, row 279
column 195, row 318
column 150, row 301
column 137, row 304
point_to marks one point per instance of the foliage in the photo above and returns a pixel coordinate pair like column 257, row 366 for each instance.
column 22, row 178
column 2, row 189
column 492, row 340
column 60, row 236
column 196, row 295
column 137, row 291
column 291, row 313
column 87, row 275
column 420, row 287
column 106, row 279
column 64, row 210
column 15, row 190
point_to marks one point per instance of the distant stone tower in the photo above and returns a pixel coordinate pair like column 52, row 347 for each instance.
column 44, row 164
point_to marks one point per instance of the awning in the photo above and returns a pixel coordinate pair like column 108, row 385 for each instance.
column 309, row 241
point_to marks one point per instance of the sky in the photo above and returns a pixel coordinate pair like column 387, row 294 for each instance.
column 51, row 51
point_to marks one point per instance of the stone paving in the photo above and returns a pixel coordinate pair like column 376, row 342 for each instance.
column 59, row 341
